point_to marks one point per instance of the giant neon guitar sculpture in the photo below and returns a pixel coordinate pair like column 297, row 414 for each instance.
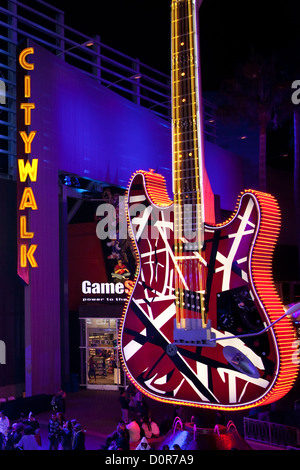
column 199, row 288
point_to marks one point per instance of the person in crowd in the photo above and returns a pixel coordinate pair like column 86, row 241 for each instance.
column 73, row 422
column 143, row 445
column 53, row 432
column 142, row 407
column 67, row 436
column 4, row 424
column 139, row 401
column 58, row 402
column 134, row 430
column 33, row 422
column 2, row 441
column 92, row 369
column 165, row 425
column 28, row 440
column 13, row 436
column 176, row 447
column 18, row 429
column 180, row 412
column 7, row 443
column 22, row 418
column 79, row 438
column 61, row 419
column 124, row 406
column 131, row 392
column 154, row 427
column 119, row 439
column 146, row 427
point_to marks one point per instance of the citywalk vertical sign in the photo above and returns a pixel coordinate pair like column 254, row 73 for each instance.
column 27, row 166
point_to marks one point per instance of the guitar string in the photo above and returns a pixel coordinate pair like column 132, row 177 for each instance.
column 186, row 167
column 182, row 184
column 199, row 274
column 182, row 163
column 188, row 177
column 176, row 152
column 197, row 271
column 180, row 160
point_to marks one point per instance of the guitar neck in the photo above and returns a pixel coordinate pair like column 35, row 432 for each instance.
column 187, row 163
column 187, row 119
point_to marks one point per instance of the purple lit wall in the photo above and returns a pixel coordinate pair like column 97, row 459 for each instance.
column 225, row 172
column 85, row 129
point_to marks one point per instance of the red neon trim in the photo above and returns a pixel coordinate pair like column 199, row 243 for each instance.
column 261, row 275
column 261, row 271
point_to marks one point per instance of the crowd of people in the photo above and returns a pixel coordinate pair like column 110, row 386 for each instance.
column 137, row 428
column 136, row 433
column 65, row 435
column 24, row 433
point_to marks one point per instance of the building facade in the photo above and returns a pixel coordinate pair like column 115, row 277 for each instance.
column 96, row 121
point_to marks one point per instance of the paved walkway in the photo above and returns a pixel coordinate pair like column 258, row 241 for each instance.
column 98, row 412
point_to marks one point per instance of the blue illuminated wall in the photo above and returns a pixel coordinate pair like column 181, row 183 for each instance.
column 90, row 130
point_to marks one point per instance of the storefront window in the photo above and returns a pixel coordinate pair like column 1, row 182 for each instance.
column 102, row 365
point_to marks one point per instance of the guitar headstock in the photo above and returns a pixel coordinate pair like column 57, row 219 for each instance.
column 197, row 2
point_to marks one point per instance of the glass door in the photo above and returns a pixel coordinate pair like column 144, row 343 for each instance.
column 102, row 363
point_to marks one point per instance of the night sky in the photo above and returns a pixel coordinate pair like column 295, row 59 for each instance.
column 231, row 33
column 231, row 30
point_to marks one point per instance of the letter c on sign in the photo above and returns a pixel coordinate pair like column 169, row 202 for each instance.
column 22, row 58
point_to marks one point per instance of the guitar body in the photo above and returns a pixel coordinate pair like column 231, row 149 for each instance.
column 236, row 269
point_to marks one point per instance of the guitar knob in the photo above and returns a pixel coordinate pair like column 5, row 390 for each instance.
column 171, row 349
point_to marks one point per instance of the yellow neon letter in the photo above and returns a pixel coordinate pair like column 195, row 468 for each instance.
column 27, row 107
column 24, row 255
column 27, row 139
column 23, row 229
column 22, row 58
column 27, row 86
column 27, row 200
column 28, row 169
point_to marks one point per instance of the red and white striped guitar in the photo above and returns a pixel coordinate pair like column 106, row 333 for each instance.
column 200, row 287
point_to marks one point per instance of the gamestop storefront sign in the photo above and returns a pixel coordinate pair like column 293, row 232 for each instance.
column 106, row 292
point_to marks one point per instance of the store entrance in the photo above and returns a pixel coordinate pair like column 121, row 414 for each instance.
column 100, row 359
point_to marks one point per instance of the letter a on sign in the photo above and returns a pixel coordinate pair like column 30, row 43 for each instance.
column 28, row 200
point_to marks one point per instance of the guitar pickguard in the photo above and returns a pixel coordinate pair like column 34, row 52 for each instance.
column 198, row 375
